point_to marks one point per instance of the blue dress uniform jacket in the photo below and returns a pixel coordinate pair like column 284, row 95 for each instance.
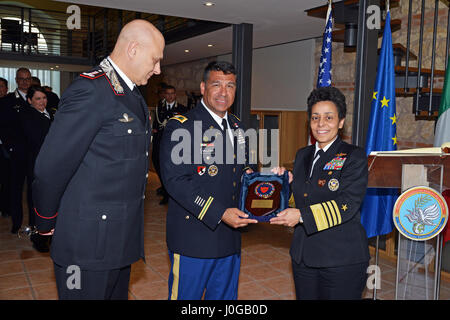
column 90, row 174
column 331, row 234
column 200, row 192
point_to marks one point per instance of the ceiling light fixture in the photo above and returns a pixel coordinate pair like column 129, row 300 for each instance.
column 186, row 50
column 210, row 45
column 208, row 4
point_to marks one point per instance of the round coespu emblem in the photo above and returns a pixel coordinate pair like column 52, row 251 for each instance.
column 420, row 213
column 333, row 184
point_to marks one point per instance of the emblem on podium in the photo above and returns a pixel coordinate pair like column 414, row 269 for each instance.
column 263, row 196
column 420, row 213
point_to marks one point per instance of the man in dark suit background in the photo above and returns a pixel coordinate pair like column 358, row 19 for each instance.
column 166, row 109
column 13, row 141
column 4, row 159
column 91, row 172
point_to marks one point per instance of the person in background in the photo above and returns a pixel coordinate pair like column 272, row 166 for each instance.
column 3, row 87
column 35, row 123
column 168, row 108
column 329, row 250
column 52, row 98
column 13, row 140
column 4, row 159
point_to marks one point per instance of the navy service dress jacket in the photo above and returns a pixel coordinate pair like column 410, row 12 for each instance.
column 331, row 234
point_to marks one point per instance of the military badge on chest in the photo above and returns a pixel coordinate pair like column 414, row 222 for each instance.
column 213, row 170
column 333, row 184
column 201, row 170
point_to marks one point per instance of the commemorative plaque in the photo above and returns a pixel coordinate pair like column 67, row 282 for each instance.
column 263, row 196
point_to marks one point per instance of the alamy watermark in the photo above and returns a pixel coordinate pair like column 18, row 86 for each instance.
column 374, row 277
column 74, row 280
column 209, row 146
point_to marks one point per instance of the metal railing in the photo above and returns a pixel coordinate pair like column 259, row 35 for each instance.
column 426, row 95
column 36, row 32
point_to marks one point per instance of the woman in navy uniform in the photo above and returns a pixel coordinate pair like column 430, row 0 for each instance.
column 329, row 249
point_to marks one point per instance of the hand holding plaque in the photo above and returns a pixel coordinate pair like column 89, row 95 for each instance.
column 263, row 196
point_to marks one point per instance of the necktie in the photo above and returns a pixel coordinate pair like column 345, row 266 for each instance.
column 225, row 128
column 319, row 154
column 224, row 124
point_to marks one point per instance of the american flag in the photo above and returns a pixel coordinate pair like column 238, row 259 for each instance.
column 324, row 78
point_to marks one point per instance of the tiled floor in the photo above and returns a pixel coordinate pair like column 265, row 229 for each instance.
column 26, row 274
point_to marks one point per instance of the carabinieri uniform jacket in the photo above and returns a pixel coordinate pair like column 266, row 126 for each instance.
column 91, row 173
column 331, row 234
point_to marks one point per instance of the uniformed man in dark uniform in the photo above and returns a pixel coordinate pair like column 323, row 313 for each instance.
column 4, row 158
column 91, row 172
column 14, row 143
column 202, row 220
column 166, row 109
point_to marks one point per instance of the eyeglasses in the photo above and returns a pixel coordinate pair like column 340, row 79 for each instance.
column 23, row 79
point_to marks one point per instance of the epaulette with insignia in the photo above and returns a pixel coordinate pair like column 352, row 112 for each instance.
column 93, row 74
column 179, row 118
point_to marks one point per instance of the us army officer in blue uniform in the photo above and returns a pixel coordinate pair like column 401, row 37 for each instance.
column 91, row 172
column 329, row 249
column 202, row 219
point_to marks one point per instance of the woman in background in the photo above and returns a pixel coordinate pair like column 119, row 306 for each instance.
column 35, row 123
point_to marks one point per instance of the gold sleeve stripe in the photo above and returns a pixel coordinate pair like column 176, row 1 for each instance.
column 338, row 213
column 330, row 215
column 292, row 201
column 319, row 217
column 176, row 276
column 331, row 208
column 205, row 208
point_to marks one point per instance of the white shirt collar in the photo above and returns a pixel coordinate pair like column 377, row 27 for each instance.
column 216, row 117
column 22, row 94
column 127, row 80
column 45, row 112
column 324, row 148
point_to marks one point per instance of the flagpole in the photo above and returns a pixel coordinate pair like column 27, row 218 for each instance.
column 377, row 246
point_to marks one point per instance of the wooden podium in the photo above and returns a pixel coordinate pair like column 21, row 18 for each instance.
column 405, row 169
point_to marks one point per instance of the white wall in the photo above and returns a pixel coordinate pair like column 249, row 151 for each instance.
column 282, row 75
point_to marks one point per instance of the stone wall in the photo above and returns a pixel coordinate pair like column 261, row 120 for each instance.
column 185, row 77
column 411, row 132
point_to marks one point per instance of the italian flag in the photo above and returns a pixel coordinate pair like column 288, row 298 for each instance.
column 442, row 133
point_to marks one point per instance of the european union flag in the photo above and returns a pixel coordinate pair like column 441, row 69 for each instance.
column 324, row 78
column 376, row 213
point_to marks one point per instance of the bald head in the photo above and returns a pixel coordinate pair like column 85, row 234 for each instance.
column 139, row 50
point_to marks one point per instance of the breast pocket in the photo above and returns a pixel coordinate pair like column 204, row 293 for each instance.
column 131, row 140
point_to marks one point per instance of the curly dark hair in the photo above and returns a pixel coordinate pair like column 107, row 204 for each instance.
column 328, row 94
